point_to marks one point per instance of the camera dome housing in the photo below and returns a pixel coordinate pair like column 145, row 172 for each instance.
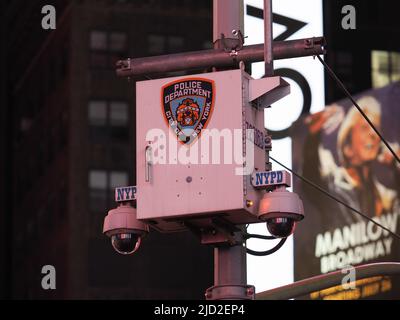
column 281, row 210
column 126, row 243
column 124, row 229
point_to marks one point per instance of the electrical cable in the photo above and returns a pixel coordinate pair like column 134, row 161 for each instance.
column 335, row 198
column 341, row 85
column 258, row 236
column 268, row 252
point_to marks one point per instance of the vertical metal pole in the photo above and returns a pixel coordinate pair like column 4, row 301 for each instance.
column 227, row 16
column 229, row 262
column 268, row 37
column 230, row 266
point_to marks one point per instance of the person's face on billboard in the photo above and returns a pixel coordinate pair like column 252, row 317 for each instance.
column 364, row 143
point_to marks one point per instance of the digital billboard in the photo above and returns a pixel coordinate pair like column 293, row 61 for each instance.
column 339, row 151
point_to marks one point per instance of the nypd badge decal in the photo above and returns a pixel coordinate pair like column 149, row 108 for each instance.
column 187, row 107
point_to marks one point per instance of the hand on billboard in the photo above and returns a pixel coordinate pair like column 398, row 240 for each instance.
column 327, row 120
column 386, row 157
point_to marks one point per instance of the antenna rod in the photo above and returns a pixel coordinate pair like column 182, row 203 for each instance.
column 268, row 53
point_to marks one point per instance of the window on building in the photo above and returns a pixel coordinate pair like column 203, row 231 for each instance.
column 162, row 44
column 156, row 44
column 101, row 188
column 98, row 190
column 117, row 42
column 98, row 40
column 118, row 114
column 175, row 44
column 208, row 44
column 108, row 120
column 107, row 47
column 385, row 67
column 98, row 113
column 119, row 120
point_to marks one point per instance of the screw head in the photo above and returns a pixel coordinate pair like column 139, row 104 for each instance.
column 250, row 291
column 249, row 203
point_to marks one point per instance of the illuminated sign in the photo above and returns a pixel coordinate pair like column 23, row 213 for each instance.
column 291, row 20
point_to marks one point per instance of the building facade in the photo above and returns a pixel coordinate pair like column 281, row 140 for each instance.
column 72, row 127
column 367, row 56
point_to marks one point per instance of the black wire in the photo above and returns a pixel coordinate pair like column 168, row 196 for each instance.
column 268, row 252
column 341, row 85
column 258, row 236
column 336, row 199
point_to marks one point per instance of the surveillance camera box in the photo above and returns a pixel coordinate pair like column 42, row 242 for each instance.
column 199, row 140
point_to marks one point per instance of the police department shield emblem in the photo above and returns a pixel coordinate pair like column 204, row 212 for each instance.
column 187, row 107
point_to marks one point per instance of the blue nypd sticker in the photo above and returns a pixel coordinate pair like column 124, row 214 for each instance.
column 265, row 179
column 125, row 194
column 187, row 105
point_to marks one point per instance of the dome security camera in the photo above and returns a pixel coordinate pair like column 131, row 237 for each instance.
column 124, row 229
column 281, row 210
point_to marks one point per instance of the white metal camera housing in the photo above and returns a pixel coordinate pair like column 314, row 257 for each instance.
column 124, row 229
column 281, row 210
